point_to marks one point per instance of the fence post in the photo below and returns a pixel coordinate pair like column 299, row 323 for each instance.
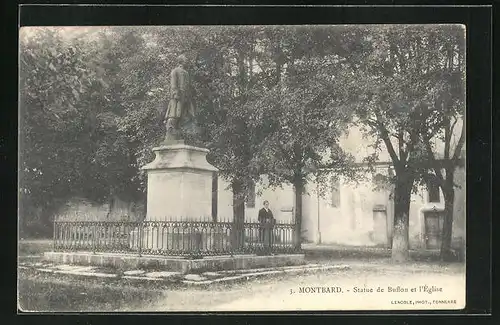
column 54, row 235
column 139, row 235
column 94, row 238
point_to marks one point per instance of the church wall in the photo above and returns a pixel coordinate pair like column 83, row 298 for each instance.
column 353, row 222
column 81, row 209
column 224, row 200
column 349, row 220
column 280, row 201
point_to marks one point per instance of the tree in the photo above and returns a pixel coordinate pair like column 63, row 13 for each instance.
column 226, row 78
column 69, row 112
column 55, row 77
column 393, row 87
column 246, row 78
column 444, row 138
column 303, row 116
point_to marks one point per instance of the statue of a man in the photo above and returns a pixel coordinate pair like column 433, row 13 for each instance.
column 180, row 107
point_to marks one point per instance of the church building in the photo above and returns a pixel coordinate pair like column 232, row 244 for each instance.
column 356, row 213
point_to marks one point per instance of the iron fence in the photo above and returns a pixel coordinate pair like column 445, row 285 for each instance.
column 180, row 238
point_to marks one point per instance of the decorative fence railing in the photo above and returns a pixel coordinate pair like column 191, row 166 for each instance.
column 180, row 238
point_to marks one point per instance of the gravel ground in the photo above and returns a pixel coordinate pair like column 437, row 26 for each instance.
column 275, row 294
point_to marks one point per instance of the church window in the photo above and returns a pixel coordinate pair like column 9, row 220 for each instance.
column 433, row 191
column 335, row 193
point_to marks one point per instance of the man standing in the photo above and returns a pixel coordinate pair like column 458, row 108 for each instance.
column 267, row 222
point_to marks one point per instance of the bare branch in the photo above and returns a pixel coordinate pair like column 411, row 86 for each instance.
column 410, row 146
column 372, row 123
column 402, row 153
column 384, row 134
column 433, row 161
column 447, row 139
column 455, row 120
column 400, row 58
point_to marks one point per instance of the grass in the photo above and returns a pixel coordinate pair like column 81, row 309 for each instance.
column 48, row 293
column 34, row 247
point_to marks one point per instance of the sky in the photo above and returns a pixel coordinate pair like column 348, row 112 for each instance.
column 69, row 32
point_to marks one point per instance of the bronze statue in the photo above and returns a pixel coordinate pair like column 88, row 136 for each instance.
column 180, row 107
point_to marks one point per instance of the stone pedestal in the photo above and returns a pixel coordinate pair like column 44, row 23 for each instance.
column 179, row 188
column 179, row 183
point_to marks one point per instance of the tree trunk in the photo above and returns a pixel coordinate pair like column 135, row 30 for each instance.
column 449, row 200
column 111, row 201
column 215, row 196
column 298, row 189
column 144, row 201
column 242, row 75
column 400, row 241
column 238, row 214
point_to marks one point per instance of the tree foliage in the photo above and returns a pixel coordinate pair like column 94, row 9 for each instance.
column 69, row 143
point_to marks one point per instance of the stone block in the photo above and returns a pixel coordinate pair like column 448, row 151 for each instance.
column 179, row 184
column 134, row 272
column 162, row 274
column 194, row 277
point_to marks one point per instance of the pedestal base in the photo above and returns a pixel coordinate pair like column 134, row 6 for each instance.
column 171, row 263
column 179, row 184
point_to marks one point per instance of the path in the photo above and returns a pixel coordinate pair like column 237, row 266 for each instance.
column 274, row 293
